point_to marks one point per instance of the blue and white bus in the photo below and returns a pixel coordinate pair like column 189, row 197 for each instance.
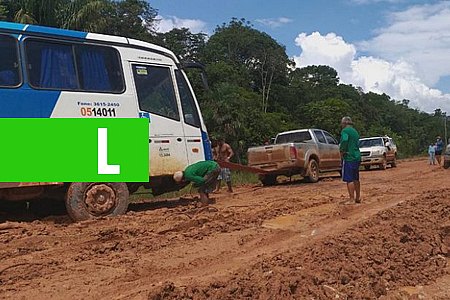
column 54, row 73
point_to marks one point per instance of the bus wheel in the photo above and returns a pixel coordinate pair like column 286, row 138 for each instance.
column 89, row 200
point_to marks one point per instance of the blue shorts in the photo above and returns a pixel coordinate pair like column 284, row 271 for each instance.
column 350, row 171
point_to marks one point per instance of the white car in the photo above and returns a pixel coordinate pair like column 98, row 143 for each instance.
column 378, row 151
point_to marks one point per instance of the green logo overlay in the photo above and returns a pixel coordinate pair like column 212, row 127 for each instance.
column 74, row 150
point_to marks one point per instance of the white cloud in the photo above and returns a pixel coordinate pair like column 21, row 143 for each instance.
column 419, row 35
column 168, row 23
column 397, row 78
column 274, row 22
column 328, row 49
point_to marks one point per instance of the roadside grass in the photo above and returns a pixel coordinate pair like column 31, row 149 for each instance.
column 238, row 178
column 241, row 178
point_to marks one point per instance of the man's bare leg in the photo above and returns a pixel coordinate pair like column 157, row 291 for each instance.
column 219, row 183
column 230, row 188
column 351, row 190
column 204, row 199
column 358, row 191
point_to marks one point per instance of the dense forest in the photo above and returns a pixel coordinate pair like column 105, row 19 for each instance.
column 254, row 90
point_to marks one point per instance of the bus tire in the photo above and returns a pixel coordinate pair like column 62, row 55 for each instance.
column 90, row 200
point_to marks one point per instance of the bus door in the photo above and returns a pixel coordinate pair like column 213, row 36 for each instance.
column 191, row 120
column 157, row 101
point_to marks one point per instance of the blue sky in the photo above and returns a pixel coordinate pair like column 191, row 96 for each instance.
column 381, row 45
column 355, row 20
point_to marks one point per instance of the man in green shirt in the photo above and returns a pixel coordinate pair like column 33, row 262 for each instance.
column 204, row 176
column 349, row 147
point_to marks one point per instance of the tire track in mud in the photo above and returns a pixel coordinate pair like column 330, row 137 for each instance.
column 126, row 257
column 402, row 245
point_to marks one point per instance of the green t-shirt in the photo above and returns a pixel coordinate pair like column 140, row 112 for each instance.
column 197, row 171
column 350, row 144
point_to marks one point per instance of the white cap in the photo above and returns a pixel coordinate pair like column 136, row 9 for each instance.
column 178, row 176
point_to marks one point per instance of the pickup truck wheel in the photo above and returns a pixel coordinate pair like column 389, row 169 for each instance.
column 394, row 162
column 383, row 165
column 268, row 180
column 367, row 168
column 313, row 171
column 90, row 200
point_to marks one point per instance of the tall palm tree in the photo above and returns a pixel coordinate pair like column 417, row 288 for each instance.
column 35, row 11
column 87, row 15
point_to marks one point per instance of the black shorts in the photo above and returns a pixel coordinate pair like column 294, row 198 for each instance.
column 438, row 152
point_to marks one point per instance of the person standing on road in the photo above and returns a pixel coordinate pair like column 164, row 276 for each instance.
column 204, row 176
column 349, row 147
column 224, row 153
column 439, row 149
column 431, row 154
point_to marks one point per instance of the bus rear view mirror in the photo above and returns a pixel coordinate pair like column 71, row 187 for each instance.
column 196, row 65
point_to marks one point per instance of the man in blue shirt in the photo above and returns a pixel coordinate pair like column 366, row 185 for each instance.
column 439, row 149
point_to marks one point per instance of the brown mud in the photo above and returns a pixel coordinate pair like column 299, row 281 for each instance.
column 290, row 241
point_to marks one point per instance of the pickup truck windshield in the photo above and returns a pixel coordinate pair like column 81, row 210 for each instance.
column 294, row 137
column 367, row 143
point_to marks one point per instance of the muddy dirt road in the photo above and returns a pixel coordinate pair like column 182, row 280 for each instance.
column 291, row 241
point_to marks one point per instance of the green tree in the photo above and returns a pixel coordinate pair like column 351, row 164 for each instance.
column 133, row 18
column 327, row 114
column 3, row 11
column 241, row 46
column 85, row 15
column 185, row 44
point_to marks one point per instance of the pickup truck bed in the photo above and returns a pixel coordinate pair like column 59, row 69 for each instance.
column 306, row 152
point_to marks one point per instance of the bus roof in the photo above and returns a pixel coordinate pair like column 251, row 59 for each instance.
column 80, row 35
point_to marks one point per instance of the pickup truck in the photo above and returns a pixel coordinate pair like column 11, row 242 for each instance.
column 447, row 157
column 307, row 152
column 378, row 151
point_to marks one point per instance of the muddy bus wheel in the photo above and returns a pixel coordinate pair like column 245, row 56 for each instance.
column 90, row 200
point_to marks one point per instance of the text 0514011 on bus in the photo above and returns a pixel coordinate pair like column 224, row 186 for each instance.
column 54, row 73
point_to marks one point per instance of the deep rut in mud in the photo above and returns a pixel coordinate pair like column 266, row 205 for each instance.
column 292, row 240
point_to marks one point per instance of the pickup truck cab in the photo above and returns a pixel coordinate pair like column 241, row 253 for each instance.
column 378, row 151
column 305, row 152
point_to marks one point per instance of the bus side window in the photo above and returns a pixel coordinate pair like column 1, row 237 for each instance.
column 51, row 65
column 155, row 91
column 99, row 69
column 190, row 112
column 9, row 62
column 73, row 67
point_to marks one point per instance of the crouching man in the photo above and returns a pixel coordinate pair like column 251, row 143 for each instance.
column 204, row 176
